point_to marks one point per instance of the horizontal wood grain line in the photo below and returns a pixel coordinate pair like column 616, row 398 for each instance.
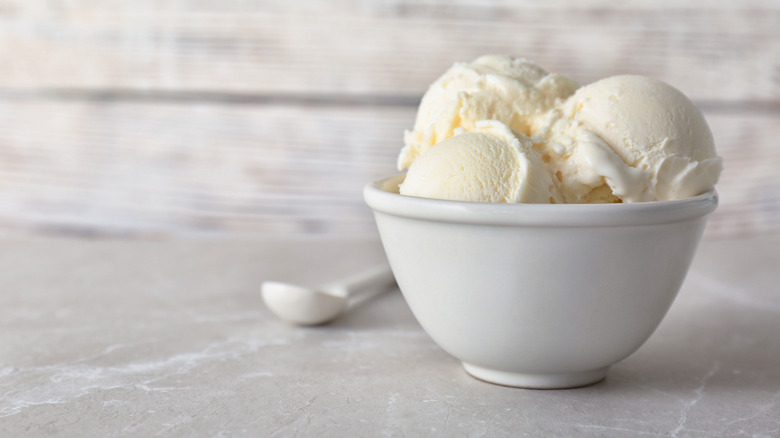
column 330, row 156
column 295, row 99
column 177, row 190
column 218, row 97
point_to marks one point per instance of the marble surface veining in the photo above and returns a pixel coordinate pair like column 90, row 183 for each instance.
column 140, row 338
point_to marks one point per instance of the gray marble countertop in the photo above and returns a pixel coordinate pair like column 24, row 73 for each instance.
column 143, row 338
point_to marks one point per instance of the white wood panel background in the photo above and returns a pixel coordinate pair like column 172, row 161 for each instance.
column 197, row 117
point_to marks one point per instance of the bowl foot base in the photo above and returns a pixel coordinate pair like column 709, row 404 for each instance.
column 537, row 381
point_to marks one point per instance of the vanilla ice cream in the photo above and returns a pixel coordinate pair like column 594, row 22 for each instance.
column 513, row 91
column 659, row 146
column 493, row 163
column 503, row 130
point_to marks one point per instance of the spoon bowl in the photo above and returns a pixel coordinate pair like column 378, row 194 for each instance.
column 302, row 305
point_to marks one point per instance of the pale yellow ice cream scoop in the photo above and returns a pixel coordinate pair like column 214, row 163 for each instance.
column 644, row 137
column 491, row 164
column 514, row 91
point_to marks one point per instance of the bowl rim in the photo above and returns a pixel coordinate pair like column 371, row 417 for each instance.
column 381, row 200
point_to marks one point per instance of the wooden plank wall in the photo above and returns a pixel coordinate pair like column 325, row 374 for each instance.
column 150, row 118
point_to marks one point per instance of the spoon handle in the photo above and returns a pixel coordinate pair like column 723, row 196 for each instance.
column 363, row 282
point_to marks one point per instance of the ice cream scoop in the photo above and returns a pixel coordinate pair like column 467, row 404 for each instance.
column 514, row 91
column 645, row 138
column 313, row 306
column 491, row 164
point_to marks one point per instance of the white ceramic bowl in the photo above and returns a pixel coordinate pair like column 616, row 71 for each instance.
column 538, row 295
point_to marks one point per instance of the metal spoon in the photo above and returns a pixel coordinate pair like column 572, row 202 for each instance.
column 306, row 306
